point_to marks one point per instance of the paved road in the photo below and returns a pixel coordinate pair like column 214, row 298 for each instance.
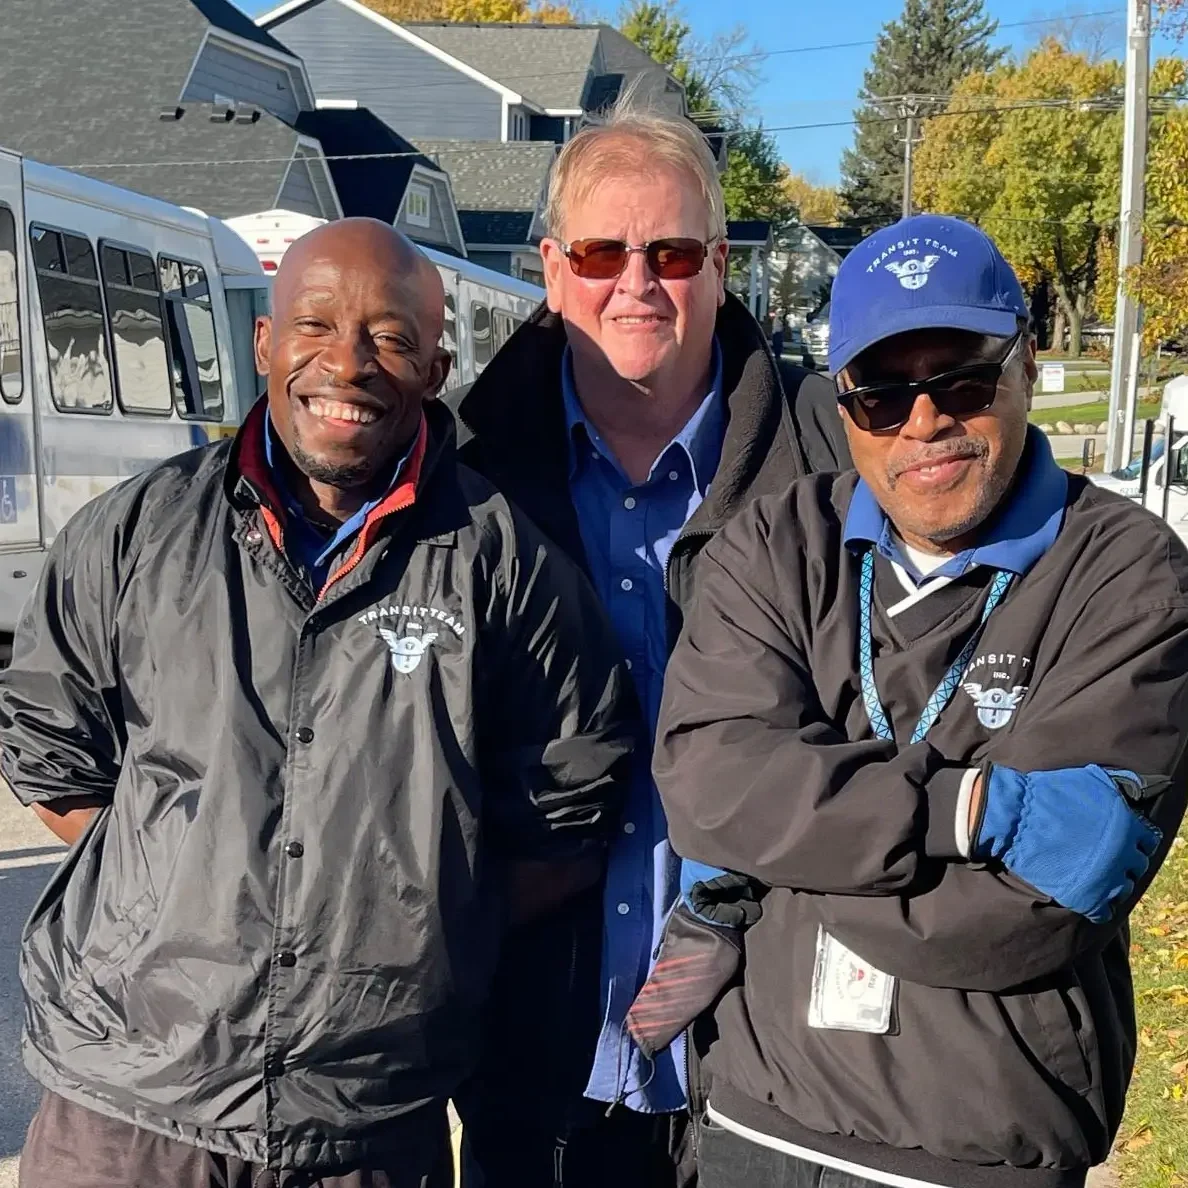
column 28, row 854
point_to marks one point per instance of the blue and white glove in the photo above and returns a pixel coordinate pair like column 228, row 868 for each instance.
column 1070, row 834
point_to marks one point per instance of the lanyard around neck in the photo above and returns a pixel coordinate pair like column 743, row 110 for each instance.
column 949, row 682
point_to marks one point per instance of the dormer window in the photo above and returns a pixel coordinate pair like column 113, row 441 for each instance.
column 416, row 205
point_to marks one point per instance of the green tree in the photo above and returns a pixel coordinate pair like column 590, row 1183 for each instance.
column 919, row 57
column 718, row 82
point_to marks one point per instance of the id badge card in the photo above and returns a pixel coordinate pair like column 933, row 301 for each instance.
column 849, row 994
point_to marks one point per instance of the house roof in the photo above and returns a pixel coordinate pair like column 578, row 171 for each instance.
column 653, row 85
column 840, row 239
column 547, row 64
column 109, row 113
column 373, row 188
column 748, row 231
column 496, row 227
column 490, row 175
column 230, row 19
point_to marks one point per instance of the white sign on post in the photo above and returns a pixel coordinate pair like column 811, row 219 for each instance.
column 1052, row 377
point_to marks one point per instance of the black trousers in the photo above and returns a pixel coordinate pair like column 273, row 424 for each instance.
column 726, row 1160
column 72, row 1147
column 624, row 1150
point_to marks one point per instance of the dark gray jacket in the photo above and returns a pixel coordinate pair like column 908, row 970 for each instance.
column 1012, row 1033
column 275, row 940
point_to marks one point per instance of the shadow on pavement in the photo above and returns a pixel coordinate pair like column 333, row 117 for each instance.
column 19, row 890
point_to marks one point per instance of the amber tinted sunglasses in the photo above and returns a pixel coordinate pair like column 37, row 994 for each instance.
column 605, row 259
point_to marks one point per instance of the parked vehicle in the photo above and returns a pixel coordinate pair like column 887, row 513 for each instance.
column 125, row 338
column 483, row 307
column 816, row 339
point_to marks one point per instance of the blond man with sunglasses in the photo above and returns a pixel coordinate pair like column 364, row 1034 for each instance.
column 637, row 411
column 922, row 748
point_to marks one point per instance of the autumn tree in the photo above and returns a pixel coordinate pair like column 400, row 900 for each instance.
column 930, row 48
column 814, row 204
column 1033, row 152
column 514, row 11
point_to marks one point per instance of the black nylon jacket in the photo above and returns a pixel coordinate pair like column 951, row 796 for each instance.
column 275, row 939
column 782, row 423
column 1012, row 1037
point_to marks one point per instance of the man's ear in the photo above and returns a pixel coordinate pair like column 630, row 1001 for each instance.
column 553, row 259
column 719, row 255
column 262, row 344
column 439, row 370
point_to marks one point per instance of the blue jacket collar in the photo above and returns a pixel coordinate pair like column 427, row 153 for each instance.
column 1015, row 538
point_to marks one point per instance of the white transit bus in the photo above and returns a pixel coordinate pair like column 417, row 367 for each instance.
column 125, row 338
column 483, row 307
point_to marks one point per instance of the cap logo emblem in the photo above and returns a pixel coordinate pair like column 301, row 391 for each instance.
column 912, row 273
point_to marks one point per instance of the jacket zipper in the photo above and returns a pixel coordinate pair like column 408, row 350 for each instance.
column 563, row 1139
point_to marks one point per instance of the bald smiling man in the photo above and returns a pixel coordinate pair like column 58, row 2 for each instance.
column 316, row 710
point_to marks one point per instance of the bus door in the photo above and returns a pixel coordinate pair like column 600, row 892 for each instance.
column 20, row 521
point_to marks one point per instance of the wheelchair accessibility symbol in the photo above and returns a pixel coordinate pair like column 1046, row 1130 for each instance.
column 8, row 507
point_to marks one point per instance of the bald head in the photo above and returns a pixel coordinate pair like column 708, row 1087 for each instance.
column 351, row 351
column 368, row 248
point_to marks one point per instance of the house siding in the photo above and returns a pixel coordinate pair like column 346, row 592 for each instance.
column 298, row 192
column 441, row 223
column 349, row 56
column 221, row 70
column 496, row 261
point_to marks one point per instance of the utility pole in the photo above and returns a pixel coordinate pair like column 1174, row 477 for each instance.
column 907, row 110
column 1127, row 343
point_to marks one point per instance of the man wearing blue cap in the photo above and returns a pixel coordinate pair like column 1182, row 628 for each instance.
column 922, row 749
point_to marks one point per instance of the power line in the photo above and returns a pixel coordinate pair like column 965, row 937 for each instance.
column 1087, row 106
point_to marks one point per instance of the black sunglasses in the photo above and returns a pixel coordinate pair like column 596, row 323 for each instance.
column 958, row 393
column 605, row 259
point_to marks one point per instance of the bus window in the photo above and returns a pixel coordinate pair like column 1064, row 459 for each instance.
column 136, row 324
column 194, row 356
column 505, row 326
column 480, row 326
column 449, row 339
column 72, row 309
column 11, row 384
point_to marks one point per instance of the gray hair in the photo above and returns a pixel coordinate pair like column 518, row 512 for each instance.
column 626, row 141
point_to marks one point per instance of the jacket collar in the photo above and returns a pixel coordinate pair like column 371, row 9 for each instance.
column 516, row 409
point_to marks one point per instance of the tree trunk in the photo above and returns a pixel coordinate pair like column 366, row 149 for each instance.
column 1076, row 319
column 1059, row 325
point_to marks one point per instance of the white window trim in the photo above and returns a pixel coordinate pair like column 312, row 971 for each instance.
column 418, row 190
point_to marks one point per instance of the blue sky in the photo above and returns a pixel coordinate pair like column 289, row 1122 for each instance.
column 821, row 86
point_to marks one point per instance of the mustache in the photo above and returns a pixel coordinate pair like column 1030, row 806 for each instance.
column 939, row 451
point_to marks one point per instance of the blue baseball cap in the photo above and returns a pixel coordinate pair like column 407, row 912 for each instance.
column 928, row 272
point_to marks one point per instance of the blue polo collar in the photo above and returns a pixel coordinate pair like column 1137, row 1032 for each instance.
column 700, row 439
column 1015, row 539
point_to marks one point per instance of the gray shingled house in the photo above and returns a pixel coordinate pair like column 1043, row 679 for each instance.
column 489, row 103
column 190, row 101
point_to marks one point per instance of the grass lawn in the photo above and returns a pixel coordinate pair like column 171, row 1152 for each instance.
column 1094, row 411
column 1152, row 1147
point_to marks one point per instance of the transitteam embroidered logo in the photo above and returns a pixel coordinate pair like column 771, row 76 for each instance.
column 407, row 633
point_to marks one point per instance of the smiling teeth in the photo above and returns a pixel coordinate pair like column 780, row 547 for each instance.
column 635, row 321
column 336, row 410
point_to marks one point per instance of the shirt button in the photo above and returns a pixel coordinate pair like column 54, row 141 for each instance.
column 294, row 849
column 304, row 734
column 287, row 959
column 673, row 475
column 254, row 537
column 628, row 826
column 624, row 909
column 626, row 584
column 629, row 502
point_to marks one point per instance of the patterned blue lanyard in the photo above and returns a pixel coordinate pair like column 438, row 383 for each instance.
column 951, row 679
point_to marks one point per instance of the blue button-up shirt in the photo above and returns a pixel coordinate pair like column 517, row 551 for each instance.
column 309, row 545
column 628, row 531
